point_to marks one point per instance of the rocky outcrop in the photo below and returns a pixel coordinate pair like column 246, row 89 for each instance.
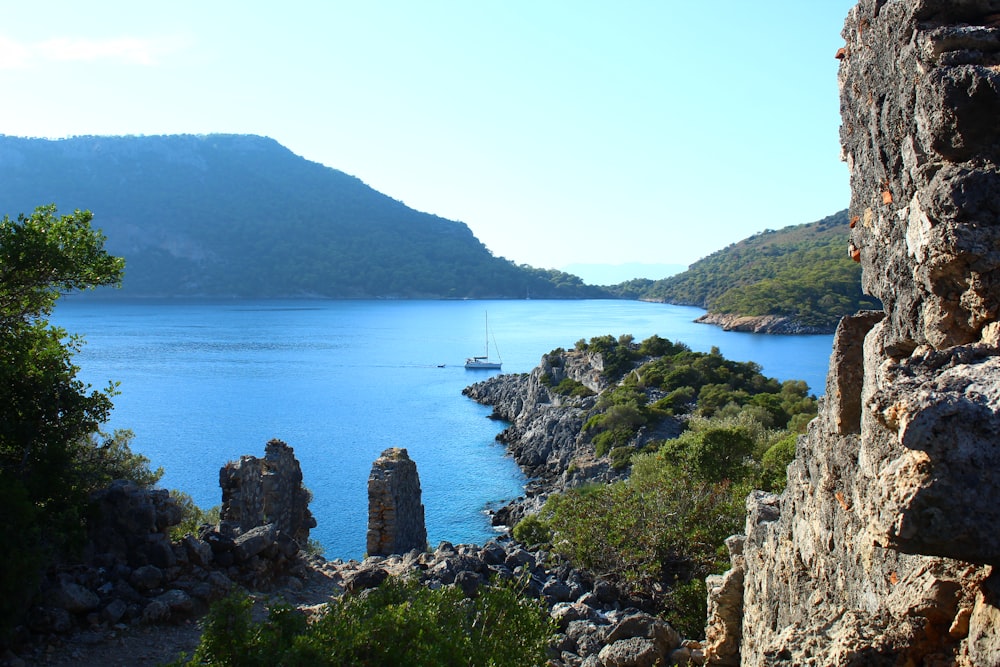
column 595, row 625
column 395, row 513
column 134, row 573
column 881, row 549
column 545, row 433
column 257, row 492
column 762, row 324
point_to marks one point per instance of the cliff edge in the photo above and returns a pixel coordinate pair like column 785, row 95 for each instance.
column 881, row 549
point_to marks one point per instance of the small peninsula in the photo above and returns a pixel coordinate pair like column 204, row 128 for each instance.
column 797, row 280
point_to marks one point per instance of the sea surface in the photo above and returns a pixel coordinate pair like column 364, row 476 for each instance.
column 204, row 382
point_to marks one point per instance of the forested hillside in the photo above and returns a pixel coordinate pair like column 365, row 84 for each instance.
column 237, row 215
column 802, row 272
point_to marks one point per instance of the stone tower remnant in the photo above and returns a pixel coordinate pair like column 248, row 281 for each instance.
column 258, row 492
column 881, row 549
column 395, row 513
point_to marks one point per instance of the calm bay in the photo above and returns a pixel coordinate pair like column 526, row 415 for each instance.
column 204, row 382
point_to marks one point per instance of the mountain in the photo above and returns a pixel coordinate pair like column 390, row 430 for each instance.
column 239, row 215
column 801, row 275
column 612, row 274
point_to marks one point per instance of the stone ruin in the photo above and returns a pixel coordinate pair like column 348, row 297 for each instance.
column 132, row 571
column 395, row 513
column 268, row 491
column 881, row 549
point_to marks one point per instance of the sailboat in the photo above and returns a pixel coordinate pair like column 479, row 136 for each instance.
column 483, row 362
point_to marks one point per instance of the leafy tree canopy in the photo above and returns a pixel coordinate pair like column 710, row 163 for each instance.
column 51, row 454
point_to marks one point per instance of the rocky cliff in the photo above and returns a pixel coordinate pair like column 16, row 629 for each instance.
column 881, row 549
column 544, row 435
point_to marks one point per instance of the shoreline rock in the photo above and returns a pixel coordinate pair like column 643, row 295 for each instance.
column 544, row 435
column 762, row 324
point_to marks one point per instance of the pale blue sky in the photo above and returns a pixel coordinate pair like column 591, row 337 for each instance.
column 560, row 131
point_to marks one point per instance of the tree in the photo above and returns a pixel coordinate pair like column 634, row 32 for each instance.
column 48, row 417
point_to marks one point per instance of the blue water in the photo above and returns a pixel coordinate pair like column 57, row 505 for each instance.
column 203, row 383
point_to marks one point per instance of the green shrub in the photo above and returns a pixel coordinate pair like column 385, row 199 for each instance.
column 714, row 453
column 106, row 458
column 799, row 422
column 313, row 547
column 399, row 623
column 574, row 388
column 775, row 462
column 531, row 530
column 661, row 525
column 192, row 516
column 621, row 457
column 687, row 607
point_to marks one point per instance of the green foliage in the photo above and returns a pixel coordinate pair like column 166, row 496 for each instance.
column 399, row 623
column 314, row 547
column 687, row 603
column 686, row 382
column 654, row 346
column 715, row 453
column 621, row 456
column 666, row 524
column 531, row 530
column 802, row 272
column 573, row 388
column 775, row 462
column 618, row 355
column 42, row 256
column 662, row 524
column 50, row 456
column 567, row 386
column 109, row 458
column 192, row 516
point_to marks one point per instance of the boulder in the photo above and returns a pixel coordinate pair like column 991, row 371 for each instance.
column 74, row 598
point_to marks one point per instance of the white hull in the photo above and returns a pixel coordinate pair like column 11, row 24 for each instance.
column 480, row 364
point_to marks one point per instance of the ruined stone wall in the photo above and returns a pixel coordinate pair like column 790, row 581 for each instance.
column 257, row 492
column 395, row 513
column 881, row 549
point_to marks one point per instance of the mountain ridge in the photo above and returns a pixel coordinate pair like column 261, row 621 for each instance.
column 241, row 215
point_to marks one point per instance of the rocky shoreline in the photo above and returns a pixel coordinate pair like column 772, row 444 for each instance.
column 762, row 324
column 136, row 597
column 544, row 435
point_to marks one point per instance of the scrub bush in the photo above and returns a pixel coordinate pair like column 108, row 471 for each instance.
column 399, row 623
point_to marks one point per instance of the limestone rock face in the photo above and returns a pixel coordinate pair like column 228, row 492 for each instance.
column 545, row 432
column 395, row 513
column 257, row 492
column 882, row 547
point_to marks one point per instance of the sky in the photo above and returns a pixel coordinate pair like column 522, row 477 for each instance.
column 561, row 132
